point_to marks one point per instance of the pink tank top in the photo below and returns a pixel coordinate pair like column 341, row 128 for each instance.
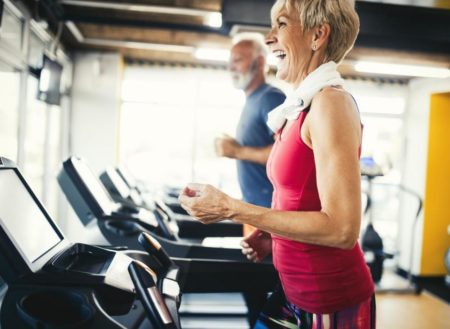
column 315, row 278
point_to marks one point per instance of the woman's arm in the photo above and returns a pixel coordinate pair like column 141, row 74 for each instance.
column 333, row 129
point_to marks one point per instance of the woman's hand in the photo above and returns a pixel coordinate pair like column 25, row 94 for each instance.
column 205, row 203
column 257, row 245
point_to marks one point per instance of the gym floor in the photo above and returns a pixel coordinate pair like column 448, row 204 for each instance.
column 408, row 310
column 424, row 311
column 400, row 310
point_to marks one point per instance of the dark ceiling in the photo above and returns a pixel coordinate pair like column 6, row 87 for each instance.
column 405, row 31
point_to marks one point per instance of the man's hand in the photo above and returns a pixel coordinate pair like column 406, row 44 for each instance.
column 227, row 146
column 257, row 245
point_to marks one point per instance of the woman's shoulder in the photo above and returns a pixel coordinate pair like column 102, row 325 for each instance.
column 333, row 94
column 330, row 99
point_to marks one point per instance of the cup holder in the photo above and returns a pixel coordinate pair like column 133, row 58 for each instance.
column 123, row 227
column 55, row 309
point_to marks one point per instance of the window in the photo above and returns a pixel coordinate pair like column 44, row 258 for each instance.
column 37, row 144
column 168, row 125
column 9, row 109
column 33, row 168
column 43, row 122
column 382, row 108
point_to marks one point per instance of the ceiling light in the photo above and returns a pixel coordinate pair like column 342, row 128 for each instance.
column 214, row 19
column 211, row 18
column 211, row 54
column 404, row 70
column 138, row 45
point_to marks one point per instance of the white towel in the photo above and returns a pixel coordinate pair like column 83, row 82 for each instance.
column 325, row 75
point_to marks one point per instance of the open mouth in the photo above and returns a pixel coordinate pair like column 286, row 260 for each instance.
column 280, row 54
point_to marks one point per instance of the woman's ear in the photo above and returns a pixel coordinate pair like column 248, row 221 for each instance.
column 320, row 36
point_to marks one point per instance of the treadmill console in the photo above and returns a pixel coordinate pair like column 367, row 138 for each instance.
column 120, row 192
column 90, row 200
column 127, row 176
column 45, row 272
column 29, row 238
column 22, row 220
column 30, row 242
column 114, row 183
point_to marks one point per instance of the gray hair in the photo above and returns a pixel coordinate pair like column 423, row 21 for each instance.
column 255, row 39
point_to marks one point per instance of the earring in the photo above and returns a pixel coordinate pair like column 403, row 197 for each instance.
column 314, row 47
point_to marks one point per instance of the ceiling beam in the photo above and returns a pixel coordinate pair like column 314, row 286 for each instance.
column 153, row 35
column 140, row 8
column 141, row 23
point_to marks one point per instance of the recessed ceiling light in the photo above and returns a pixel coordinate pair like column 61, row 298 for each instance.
column 212, row 54
column 213, row 19
column 403, row 70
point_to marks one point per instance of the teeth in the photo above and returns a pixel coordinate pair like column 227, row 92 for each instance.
column 279, row 53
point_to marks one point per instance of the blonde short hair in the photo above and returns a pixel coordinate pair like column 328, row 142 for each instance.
column 339, row 14
column 255, row 39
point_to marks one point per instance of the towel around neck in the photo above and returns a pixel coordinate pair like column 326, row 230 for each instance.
column 325, row 75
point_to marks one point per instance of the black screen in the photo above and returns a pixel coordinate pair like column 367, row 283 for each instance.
column 50, row 82
column 94, row 187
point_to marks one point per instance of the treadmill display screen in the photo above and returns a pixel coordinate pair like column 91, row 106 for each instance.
column 119, row 183
column 94, row 186
column 127, row 177
column 23, row 220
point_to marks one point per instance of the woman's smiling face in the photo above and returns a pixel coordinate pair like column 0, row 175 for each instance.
column 291, row 46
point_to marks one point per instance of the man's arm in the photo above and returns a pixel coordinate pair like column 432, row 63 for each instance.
column 228, row 147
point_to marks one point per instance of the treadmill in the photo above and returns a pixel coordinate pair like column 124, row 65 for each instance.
column 205, row 269
column 54, row 283
column 132, row 199
column 170, row 196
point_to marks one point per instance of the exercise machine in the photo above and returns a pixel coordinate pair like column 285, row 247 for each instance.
column 169, row 195
column 372, row 242
column 55, row 283
column 187, row 227
column 207, row 269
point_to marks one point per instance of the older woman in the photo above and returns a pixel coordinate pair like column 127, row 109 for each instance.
column 314, row 222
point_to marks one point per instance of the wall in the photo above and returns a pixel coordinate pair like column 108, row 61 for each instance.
column 95, row 108
column 94, row 120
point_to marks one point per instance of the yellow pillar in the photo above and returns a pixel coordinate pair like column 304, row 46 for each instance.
column 442, row 4
column 437, row 189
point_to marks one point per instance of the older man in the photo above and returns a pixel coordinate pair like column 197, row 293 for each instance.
column 254, row 139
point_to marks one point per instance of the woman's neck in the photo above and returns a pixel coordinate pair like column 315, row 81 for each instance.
column 316, row 60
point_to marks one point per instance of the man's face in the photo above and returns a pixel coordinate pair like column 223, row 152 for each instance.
column 242, row 64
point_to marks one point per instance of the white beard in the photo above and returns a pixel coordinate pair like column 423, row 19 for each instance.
column 242, row 80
